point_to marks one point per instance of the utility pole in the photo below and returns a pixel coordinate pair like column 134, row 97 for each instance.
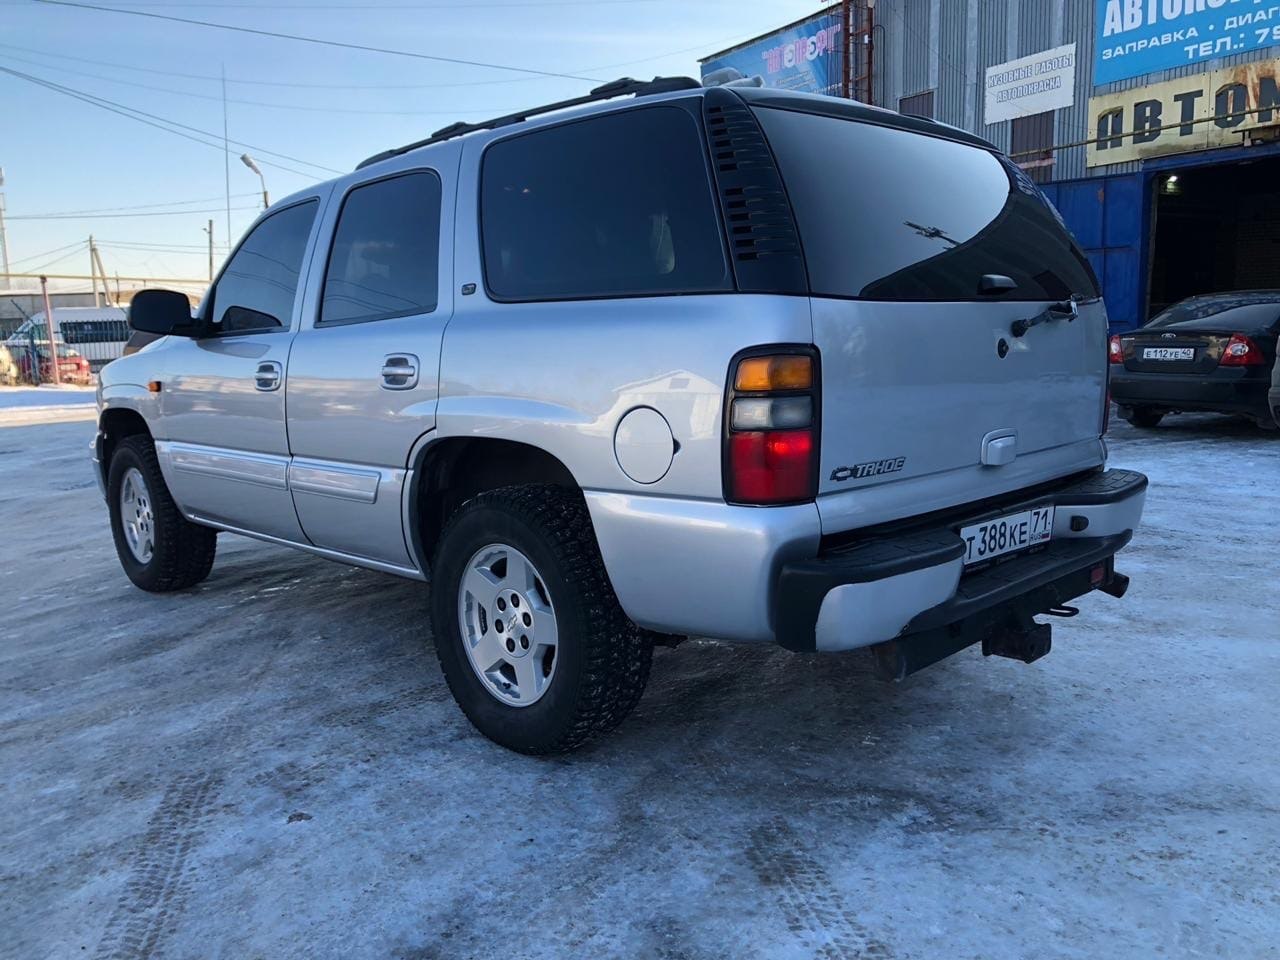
column 209, row 231
column 4, row 239
column 226, row 150
column 93, row 274
column 102, row 271
column 51, row 325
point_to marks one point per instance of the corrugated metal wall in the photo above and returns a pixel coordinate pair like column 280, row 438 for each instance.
column 947, row 46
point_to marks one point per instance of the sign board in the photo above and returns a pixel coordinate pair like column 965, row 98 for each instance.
column 1030, row 85
column 1134, row 37
column 1192, row 113
column 805, row 56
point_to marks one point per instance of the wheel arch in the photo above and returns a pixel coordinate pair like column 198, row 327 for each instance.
column 114, row 424
column 449, row 471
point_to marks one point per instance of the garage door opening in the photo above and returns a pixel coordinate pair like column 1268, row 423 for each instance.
column 1216, row 228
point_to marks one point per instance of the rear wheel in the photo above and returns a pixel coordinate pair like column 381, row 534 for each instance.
column 159, row 549
column 1144, row 417
column 530, row 636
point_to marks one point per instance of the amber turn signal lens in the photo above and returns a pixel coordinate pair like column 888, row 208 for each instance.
column 793, row 372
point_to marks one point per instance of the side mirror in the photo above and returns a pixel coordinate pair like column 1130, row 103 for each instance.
column 164, row 312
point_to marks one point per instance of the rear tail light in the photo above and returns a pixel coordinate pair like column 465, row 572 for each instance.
column 771, row 440
column 1115, row 352
column 1241, row 352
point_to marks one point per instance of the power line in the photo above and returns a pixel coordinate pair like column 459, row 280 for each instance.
column 724, row 42
column 65, row 256
column 136, row 114
column 141, row 206
column 363, row 111
column 488, row 4
column 457, row 61
column 142, row 244
column 113, row 216
column 39, row 256
column 267, row 83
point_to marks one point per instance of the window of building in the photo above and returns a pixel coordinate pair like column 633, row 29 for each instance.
column 385, row 260
column 1031, row 145
column 257, row 288
column 918, row 105
column 619, row 205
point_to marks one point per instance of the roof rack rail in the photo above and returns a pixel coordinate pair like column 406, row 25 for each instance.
column 617, row 88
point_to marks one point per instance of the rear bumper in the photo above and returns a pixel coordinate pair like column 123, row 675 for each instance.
column 1230, row 391
column 902, row 586
column 1274, row 403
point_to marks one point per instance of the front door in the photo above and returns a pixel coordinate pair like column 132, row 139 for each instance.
column 224, row 448
column 363, row 373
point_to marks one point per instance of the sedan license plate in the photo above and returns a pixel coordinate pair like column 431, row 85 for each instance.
column 1018, row 531
column 1168, row 353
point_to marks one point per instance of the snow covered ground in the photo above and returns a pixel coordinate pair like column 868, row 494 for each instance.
column 271, row 766
column 22, row 406
column 13, row 398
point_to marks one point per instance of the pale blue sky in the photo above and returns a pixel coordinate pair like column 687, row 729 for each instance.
column 60, row 154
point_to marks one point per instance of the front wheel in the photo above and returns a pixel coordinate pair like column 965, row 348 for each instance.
column 1143, row 417
column 530, row 636
column 159, row 549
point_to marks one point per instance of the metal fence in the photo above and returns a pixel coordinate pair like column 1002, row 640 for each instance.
column 26, row 358
column 83, row 346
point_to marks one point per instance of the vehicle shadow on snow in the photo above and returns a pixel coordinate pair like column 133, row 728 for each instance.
column 756, row 700
column 1198, row 426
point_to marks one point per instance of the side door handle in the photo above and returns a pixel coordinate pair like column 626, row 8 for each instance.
column 399, row 371
column 268, row 375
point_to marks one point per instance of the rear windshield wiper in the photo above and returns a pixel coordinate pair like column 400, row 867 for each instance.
column 1055, row 311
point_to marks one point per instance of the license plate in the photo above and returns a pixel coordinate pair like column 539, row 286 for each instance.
column 1168, row 353
column 1018, row 531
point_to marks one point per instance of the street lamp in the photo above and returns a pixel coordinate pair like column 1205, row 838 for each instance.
column 248, row 161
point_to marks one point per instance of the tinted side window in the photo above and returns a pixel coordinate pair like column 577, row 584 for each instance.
column 886, row 214
column 386, row 251
column 618, row 205
column 257, row 288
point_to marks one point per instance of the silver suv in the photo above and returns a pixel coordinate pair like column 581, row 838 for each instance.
column 662, row 361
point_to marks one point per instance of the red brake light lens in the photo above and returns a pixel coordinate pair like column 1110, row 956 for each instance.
column 1115, row 352
column 773, row 466
column 1241, row 352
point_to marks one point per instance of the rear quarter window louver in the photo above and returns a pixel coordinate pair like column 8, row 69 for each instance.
column 763, row 240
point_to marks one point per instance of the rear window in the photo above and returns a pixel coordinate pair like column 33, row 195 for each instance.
column 886, row 214
column 1237, row 311
column 619, row 205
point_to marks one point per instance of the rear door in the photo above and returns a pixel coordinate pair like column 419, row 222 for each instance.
column 364, row 372
column 928, row 390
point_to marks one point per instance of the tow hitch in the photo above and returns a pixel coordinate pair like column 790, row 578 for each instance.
column 1027, row 641
column 1008, row 629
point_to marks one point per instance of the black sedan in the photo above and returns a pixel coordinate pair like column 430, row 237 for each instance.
column 1210, row 353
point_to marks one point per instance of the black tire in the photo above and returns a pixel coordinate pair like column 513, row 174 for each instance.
column 1144, row 417
column 183, row 551
column 602, row 658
